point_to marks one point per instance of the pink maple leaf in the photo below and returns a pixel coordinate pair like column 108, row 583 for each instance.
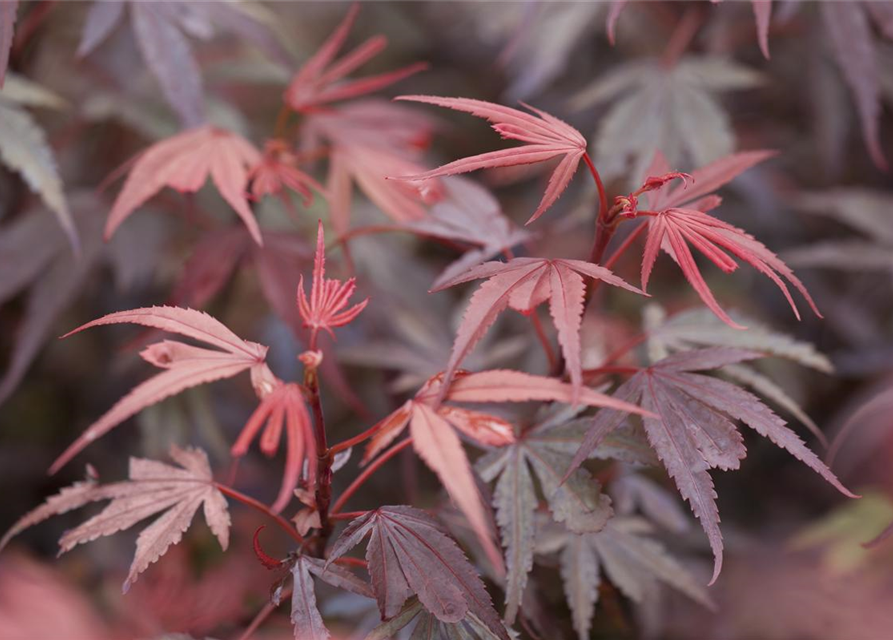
column 278, row 171
column 281, row 408
column 318, row 82
column 545, row 137
column 677, row 221
column 523, row 284
column 184, row 162
column 325, row 308
column 183, row 366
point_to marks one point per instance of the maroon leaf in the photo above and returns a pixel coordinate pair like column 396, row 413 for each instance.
column 409, row 553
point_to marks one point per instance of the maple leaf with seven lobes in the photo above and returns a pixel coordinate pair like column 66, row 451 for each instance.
column 328, row 297
column 546, row 450
column 409, row 553
column 693, row 429
column 634, row 563
column 677, row 218
column 655, row 108
column 523, row 284
column 317, row 82
column 431, row 426
column 184, row 162
column 546, row 137
column 154, row 487
column 184, row 366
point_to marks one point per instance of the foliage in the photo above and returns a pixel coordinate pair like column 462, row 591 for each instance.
column 520, row 479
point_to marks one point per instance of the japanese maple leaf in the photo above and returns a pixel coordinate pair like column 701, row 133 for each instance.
column 320, row 80
column 154, row 487
column 184, row 366
column 693, row 429
column 545, row 137
column 281, row 408
column 432, row 424
column 8, row 11
column 677, row 218
column 161, row 33
column 675, row 110
column 325, row 309
column 371, row 139
column 410, row 553
column 523, row 284
column 184, row 162
column 305, row 615
column 848, row 27
column 24, row 147
column 543, row 452
column 633, row 562
column 277, row 172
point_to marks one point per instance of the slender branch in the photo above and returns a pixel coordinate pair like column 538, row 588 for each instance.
column 260, row 618
column 323, row 455
column 351, row 442
column 259, row 506
column 347, row 515
column 372, row 468
column 626, row 244
column 602, row 195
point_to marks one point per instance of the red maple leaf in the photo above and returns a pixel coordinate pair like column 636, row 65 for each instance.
column 318, row 81
column 677, row 218
column 184, row 162
column 545, row 137
column 328, row 297
column 523, row 284
column 278, row 171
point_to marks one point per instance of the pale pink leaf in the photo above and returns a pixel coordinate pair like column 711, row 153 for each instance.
column 102, row 18
column 438, row 445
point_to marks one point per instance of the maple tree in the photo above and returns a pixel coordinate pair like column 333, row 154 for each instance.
column 431, row 466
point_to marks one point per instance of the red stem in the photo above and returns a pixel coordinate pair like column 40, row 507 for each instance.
column 347, row 515
column 261, row 616
column 350, row 442
column 361, row 479
column 602, row 195
column 259, row 506
column 627, row 243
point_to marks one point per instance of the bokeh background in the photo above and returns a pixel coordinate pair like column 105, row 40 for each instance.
column 795, row 567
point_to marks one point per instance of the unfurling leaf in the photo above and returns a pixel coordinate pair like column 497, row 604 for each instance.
column 154, row 487
column 328, row 297
column 184, row 162
column 694, row 431
column 184, row 365
column 545, row 137
column 409, row 554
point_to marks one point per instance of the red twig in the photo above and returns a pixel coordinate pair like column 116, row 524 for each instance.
column 259, row 506
column 372, row 468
